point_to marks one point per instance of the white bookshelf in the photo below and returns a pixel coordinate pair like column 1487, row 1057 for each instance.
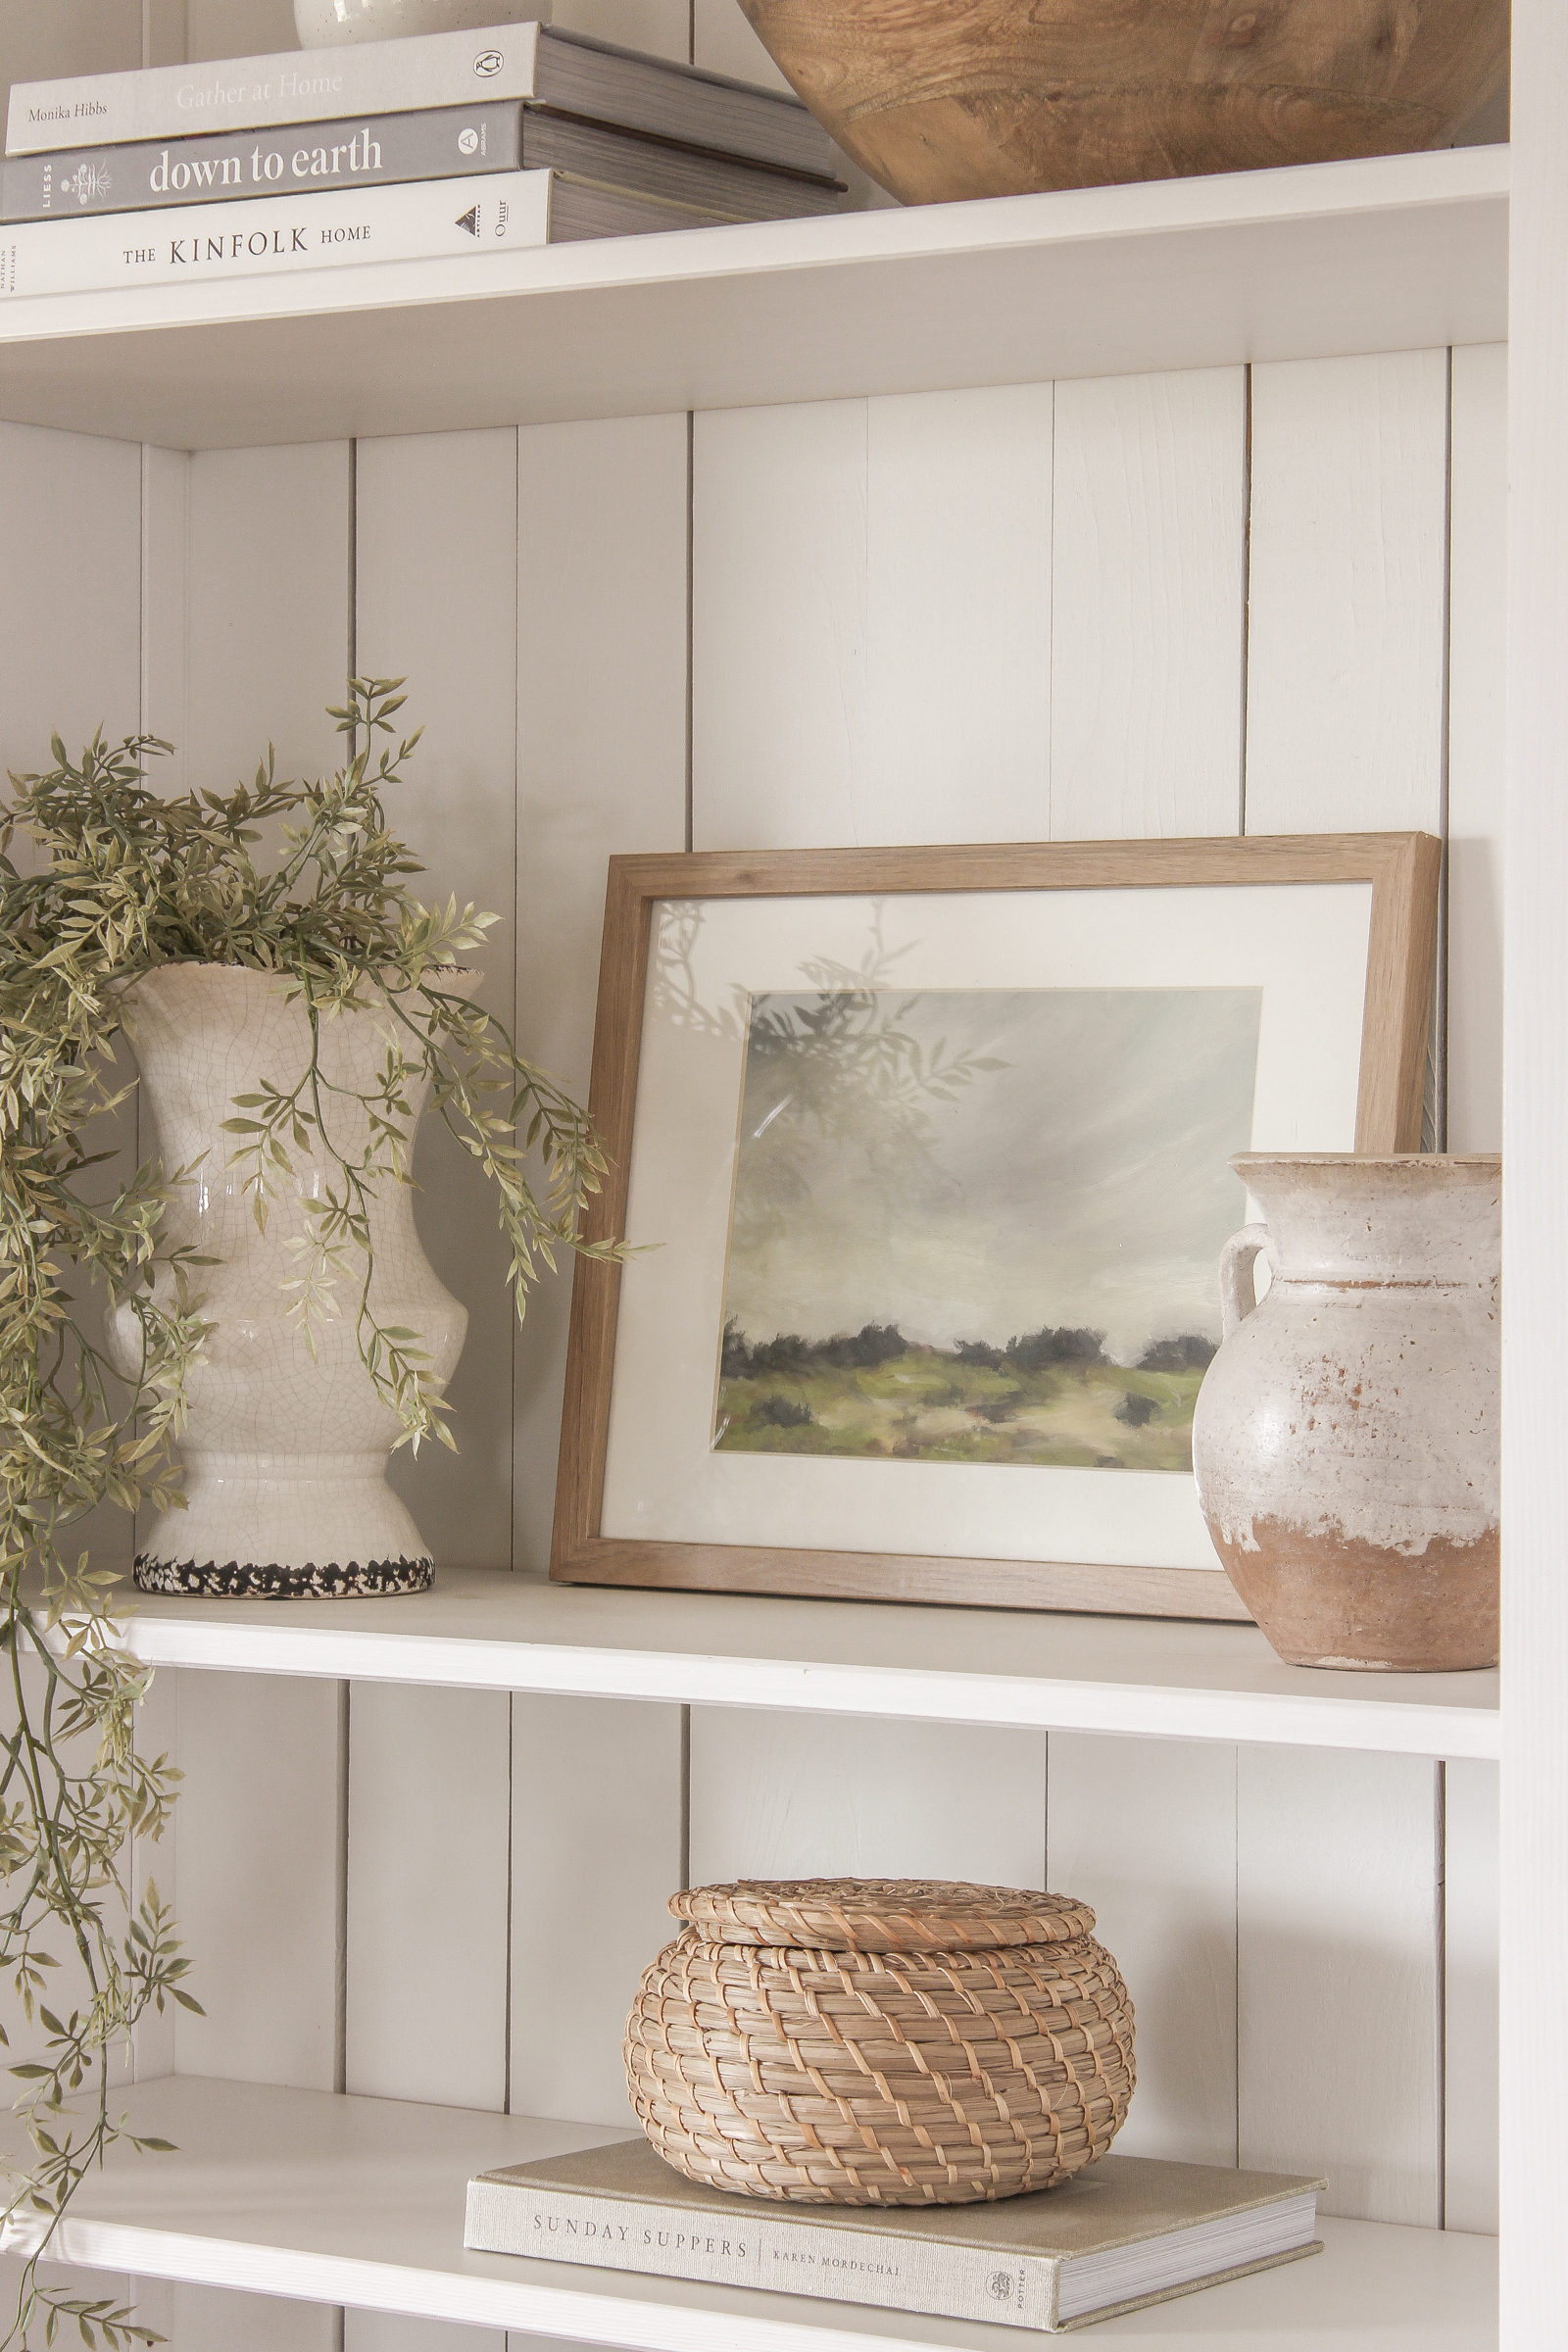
column 483, row 1630
column 1396, row 252
column 359, row 2201
column 1283, row 1854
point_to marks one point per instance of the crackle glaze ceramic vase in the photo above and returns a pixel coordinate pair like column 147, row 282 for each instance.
column 284, row 1455
column 1346, row 1438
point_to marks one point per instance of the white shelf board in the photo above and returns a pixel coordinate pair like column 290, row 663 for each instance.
column 1156, row 1678
column 359, row 2202
column 1389, row 253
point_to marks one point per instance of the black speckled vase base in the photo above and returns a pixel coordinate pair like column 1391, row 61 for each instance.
column 254, row 1582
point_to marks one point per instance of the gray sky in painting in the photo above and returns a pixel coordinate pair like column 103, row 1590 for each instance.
column 1082, row 1182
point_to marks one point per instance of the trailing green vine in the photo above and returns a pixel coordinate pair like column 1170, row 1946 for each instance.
column 117, row 882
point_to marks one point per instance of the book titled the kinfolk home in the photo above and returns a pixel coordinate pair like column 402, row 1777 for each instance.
column 274, row 236
column 1128, row 2232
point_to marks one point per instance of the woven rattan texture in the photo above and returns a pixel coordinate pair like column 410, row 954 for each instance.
column 881, row 1915
column 880, row 2077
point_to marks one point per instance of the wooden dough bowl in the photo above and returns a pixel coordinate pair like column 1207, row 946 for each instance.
column 939, row 99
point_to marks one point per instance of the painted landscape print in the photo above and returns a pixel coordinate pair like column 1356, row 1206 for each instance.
column 981, row 1225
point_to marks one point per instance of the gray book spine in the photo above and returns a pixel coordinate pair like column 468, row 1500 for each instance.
column 437, row 144
column 844, row 2262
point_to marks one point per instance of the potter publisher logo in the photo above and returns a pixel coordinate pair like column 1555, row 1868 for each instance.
column 999, row 2283
column 488, row 62
column 87, row 181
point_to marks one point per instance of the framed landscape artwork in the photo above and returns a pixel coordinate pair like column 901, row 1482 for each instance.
column 923, row 1155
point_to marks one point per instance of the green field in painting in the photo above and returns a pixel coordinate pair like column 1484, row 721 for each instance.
column 925, row 1405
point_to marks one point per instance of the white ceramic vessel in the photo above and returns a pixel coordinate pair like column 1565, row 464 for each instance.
column 1346, row 1438
column 284, row 1454
column 323, row 24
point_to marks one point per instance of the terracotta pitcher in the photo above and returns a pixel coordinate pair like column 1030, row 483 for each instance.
column 1346, row 1438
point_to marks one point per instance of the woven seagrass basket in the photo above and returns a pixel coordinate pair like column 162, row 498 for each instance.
column 880, row 2041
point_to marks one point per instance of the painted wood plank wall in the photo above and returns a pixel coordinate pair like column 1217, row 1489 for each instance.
column 1010, row 613
column 556, row 659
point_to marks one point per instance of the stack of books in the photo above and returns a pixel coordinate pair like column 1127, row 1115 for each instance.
column 454, row 143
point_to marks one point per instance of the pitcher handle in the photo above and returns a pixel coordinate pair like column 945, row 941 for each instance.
column 1238, row 1295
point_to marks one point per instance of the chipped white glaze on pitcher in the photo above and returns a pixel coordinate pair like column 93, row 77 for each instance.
column 1346, row 1438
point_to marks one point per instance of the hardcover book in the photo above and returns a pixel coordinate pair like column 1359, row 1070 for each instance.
column 526, row 62
column 367, row 151
column 272, row 236
column 1129, row 2231
column 437, row 144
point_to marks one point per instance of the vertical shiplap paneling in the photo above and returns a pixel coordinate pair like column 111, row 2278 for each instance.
column 258, row 1826
column 596, row 1840
column 153, row 1865
column 210, row 2319
column 268, row 619
column 1146, row 614
column 70, row 569
column 165, row 604
column 842, row 556
column 957, row 614
column 805, row 1796
column 165, row 601
column 69, row 564
column 1344, row 648
column 426, row 1991
column 601, row 768
column 1146, row 1832
column 164, row 531
column 257, row 1854
column 67, row 1987
column 779, row 571
column 1477, row 697
column 871, row 621
column 437, row 581
column 1336, row 1960
column 661, row 28
column 238, row 28
column 1147, row 561
column 67, row 36
column 429, row 1770
column 1470, row 1990
column 390, row 2332
column 70, row 597
column 1338, row 1928
column 58, row 2280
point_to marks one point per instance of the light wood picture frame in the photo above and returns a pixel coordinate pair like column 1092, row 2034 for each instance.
column 1392, row 879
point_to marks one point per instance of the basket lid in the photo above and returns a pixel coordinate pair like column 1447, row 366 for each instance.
column 880, row 1915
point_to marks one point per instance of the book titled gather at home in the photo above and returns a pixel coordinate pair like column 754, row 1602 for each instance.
column 273, row 236
column 567, row 71
column 1129, row 2231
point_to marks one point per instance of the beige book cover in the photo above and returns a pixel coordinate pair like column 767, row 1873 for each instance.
column 1128, row 2232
